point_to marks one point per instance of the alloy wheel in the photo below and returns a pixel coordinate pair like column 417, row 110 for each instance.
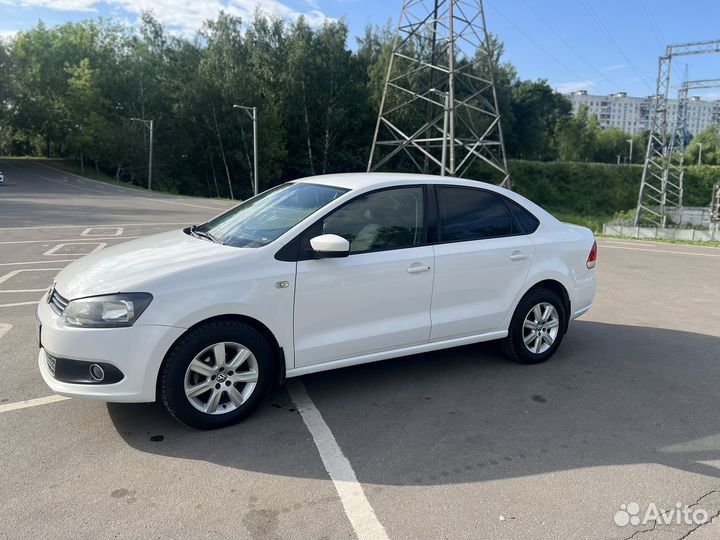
column 540, row 328
column 221, row 378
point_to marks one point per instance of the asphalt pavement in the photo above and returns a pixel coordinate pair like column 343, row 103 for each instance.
column 459, row 443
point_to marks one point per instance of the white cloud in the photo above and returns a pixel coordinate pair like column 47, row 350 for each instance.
column 59, row 5
column 615, row 67
column 184, row 16
column 574, row 86
column 7, row 34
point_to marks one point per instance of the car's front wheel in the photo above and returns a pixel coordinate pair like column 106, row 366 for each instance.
column 537, row 327
column 216, row 374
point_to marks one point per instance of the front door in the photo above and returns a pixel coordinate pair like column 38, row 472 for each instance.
column 378, row 297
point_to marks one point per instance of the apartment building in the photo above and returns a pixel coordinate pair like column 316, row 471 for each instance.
column 632, row 114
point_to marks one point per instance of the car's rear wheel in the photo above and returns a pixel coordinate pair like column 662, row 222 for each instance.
column 537, row 327
column 216, row 374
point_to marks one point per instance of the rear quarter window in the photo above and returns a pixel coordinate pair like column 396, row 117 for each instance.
column 524, row 219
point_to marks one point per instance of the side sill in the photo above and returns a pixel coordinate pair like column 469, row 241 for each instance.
column 395, row 353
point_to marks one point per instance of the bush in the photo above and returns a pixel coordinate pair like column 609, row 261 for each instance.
column 593, row 189
column 598, row 189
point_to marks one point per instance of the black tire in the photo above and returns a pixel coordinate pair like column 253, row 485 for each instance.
column 171, row 385
column 513, row 344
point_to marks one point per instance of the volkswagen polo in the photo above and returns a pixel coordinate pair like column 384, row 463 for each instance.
column 315, row 274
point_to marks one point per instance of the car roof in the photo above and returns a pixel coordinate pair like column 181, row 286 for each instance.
column 355, row 181
column 368, row 181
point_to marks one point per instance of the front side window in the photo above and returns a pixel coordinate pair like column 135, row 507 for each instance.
column 472, row 214
column 387, row 219
column 264, row 218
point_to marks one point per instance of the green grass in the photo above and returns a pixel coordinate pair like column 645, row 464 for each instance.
column 594, row 223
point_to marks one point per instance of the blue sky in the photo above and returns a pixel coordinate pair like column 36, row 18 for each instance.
column 600, row 45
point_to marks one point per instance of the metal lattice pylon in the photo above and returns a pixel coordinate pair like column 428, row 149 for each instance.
column 439, row 109
column 681, row 136
column 715, row 207
column 661, row 185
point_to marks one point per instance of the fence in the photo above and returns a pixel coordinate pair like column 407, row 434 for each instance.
column 662, row 233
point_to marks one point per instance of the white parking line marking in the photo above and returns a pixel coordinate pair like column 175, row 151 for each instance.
column 627, row 243
column 666, row 251
column 66, row 240
column 31, row 403
column 14, row 273
column 20, row 304
column 357, row 508
column 4, row 328
column 37, row 262
column 52, row 251
column 118, row 231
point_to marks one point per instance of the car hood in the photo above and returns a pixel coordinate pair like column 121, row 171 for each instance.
column 128, row 266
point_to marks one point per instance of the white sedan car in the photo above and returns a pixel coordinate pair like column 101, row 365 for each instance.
column 315, row 274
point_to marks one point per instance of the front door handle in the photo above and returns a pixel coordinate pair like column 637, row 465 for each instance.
column 417, row 268
column 518, row 256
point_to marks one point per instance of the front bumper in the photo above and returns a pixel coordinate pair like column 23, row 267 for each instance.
column 137, row 351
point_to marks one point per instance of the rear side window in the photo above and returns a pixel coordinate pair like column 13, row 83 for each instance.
column 525, row 220
column 472, row 214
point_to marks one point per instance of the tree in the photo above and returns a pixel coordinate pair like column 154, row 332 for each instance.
column 709, row 138
column 610, row 143
column 71, row 90
column 577, row 136
column 537, row 111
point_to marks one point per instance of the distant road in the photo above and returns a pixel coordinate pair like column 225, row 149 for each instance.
column 35, row 194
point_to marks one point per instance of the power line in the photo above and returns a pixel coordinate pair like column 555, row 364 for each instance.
column 531, row 39
column 653, row 25
column 569, row 45
column 642, row 76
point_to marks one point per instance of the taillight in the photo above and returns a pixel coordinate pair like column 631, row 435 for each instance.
column 592, row 258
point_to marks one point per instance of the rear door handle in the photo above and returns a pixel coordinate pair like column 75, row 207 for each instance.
column 518, row 256
column 417, row 268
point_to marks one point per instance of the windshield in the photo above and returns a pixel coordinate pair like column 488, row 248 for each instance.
column 262, row 219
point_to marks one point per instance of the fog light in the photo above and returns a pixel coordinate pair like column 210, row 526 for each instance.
column 96, row 372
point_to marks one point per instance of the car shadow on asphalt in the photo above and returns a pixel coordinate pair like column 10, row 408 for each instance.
column 612, row 395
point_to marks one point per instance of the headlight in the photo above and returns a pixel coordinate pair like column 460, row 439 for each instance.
column 106, row 311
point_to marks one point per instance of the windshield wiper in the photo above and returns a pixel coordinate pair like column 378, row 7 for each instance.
column 204, row 234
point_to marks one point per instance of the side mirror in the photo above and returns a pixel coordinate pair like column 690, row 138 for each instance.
column 330, row 245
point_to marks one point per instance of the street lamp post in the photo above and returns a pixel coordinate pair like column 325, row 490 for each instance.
column 631, row 145
column 252, row 111
column 148, row 124
column 699, row 153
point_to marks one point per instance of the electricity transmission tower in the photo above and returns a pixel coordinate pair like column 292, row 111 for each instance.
column 715, row 208
column 439, row 109
column 661, row 185
column 675, row 165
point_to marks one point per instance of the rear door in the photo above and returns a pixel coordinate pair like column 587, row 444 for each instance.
column 481, row 262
